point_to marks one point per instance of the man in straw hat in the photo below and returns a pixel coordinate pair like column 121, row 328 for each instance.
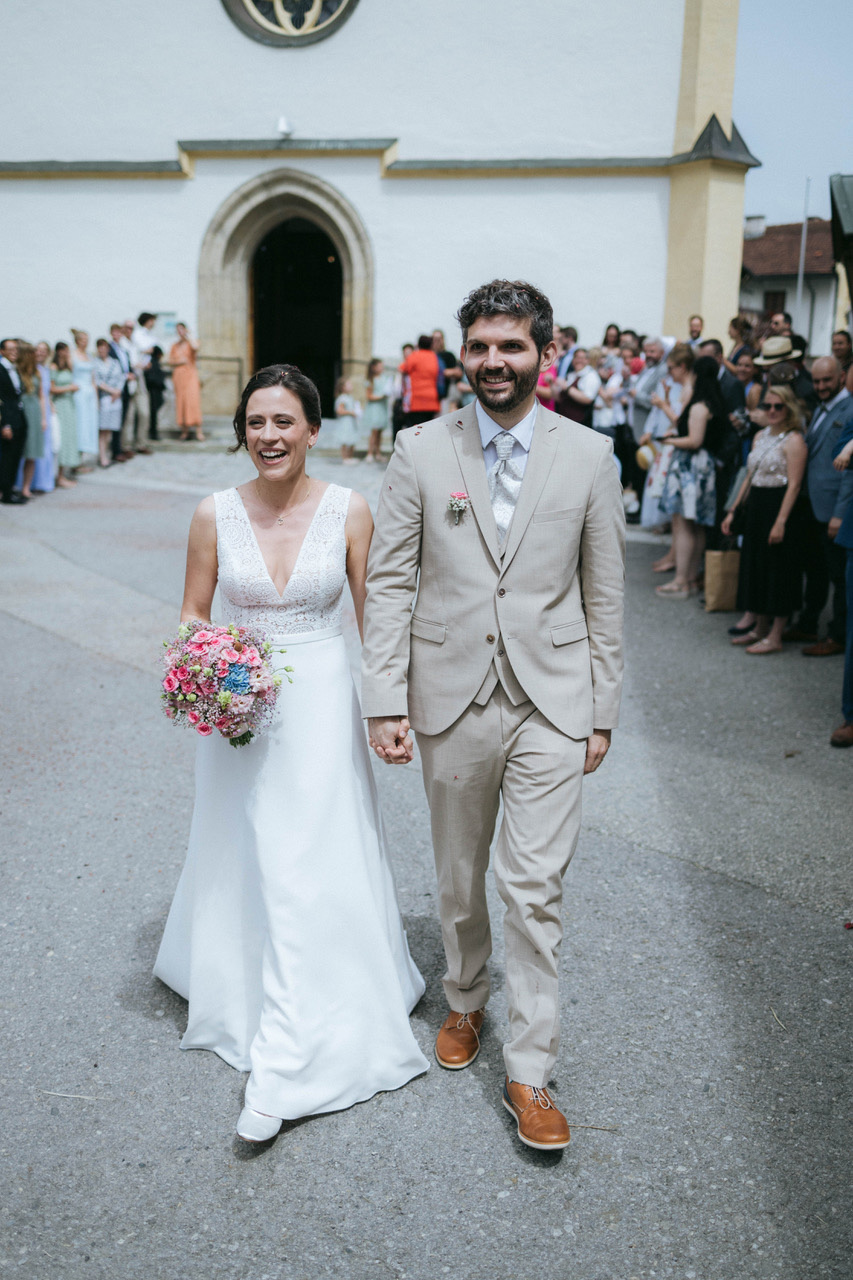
column 781, row 350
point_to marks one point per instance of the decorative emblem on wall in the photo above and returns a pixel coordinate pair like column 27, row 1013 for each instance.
column 289, row 22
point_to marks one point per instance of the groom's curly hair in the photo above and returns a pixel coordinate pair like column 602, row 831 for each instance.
column 277, row 375
column 510, row 298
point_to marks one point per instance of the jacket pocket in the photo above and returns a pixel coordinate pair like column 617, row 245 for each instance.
column 568, row 513
column 569, row 632
column 433, row 631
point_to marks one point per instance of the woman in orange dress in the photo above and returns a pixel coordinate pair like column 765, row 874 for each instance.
column 182, row 358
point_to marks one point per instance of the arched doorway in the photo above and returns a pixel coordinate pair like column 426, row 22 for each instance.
column 225, row 295
column 297, row 302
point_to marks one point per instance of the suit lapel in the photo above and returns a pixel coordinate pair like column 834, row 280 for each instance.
column 469, row 451
column 539, row 463
column 819, row 433
column 816, row 431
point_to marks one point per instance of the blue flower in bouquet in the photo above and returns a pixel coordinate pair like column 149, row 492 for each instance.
column 237, row 680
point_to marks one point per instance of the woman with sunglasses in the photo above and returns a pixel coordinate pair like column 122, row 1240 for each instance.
column 771, row 578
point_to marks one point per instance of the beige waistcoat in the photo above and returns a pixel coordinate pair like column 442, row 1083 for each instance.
column 445, row 608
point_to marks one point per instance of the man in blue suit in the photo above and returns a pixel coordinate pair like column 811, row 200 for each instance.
column 825, row 560
column 843, row 735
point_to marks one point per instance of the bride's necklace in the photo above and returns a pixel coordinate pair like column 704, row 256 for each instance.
column 288, row 510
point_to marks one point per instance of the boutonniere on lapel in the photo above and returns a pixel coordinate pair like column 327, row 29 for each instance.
column 458, row 505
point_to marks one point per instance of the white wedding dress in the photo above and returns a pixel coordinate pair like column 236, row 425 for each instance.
column 284, row 934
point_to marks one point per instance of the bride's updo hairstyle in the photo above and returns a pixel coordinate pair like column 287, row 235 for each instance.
column 277, row 375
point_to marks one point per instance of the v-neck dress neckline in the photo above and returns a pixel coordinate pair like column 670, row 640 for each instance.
column 308, row 532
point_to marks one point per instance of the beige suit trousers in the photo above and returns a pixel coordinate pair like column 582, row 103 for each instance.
column 137, row 420
column 493, row 751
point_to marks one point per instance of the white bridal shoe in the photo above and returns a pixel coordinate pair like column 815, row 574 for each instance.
column 254, row 1127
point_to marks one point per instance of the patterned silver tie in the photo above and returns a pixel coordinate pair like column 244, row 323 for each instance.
column 504, row 484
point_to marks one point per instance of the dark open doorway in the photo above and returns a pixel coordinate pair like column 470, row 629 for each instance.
column 297, row 295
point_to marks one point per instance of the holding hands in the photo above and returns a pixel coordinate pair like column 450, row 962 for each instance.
column 390, row 738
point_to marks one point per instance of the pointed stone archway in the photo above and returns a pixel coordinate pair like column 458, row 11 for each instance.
column 224, row 275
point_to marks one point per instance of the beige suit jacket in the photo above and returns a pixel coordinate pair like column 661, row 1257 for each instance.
column 441, row 600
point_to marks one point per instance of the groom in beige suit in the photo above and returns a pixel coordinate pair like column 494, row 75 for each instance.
column 493, row 628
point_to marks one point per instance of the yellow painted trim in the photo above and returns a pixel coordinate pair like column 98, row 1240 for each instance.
column 708, row 51
column 389, row 157
column 274, row 153
column 544, row 171
column 705, row 247
column 105, row 175
column 705, row 234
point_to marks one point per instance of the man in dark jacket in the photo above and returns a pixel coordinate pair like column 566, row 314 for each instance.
column 843, row 735
column 825, row 562
column 730, row 388
column 13, row 425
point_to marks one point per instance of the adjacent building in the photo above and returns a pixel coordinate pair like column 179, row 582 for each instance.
column 771, row 260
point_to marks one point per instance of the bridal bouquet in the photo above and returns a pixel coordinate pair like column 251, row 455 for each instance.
column 220, row 678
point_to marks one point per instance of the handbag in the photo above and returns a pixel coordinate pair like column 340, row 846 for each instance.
column 721, row 577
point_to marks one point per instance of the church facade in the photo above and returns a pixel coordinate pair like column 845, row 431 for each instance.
column 321, row 180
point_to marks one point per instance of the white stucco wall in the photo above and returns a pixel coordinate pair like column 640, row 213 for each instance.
column 486, row 78
column 85, row 253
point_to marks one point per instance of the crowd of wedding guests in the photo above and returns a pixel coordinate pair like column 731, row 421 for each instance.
column 67, row 407
column 747, row 443
column 429, row 380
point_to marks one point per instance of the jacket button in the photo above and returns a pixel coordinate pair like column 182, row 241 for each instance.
column 500, row 653
column 502, row 591
column 490, row 639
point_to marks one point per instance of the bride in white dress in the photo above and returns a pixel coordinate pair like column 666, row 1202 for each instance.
column 284, row 934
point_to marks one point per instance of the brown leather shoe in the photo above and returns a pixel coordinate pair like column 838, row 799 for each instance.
column 538, row 1121
column 458, row 1041
column 823, row 649
column 843, row 735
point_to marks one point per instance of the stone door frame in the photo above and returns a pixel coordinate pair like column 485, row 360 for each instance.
column 224, row 274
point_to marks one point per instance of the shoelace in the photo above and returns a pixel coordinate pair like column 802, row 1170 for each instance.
column 540, row 1099
column 461, row 1023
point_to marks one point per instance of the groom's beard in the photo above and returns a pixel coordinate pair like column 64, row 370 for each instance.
column 504, row 401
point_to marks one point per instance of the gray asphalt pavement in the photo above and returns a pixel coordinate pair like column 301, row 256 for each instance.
column 705, row 1064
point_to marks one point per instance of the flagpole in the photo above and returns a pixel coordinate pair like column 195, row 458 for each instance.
column 801, row 271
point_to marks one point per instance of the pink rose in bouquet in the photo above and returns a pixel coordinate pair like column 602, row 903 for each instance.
column 220, row 678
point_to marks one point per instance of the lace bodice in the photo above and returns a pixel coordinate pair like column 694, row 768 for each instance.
column 767, row 463
column 311, row 600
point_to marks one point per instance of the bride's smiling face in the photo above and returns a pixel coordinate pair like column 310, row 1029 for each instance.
column 278, row 435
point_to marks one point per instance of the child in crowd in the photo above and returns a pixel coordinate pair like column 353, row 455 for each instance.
column 109, row 380
column 376, row 415
column 347, row 412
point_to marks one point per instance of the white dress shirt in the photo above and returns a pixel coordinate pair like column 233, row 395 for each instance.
column 144, row 342
column 128, row 345
column 522, row 431
column 13, row 373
